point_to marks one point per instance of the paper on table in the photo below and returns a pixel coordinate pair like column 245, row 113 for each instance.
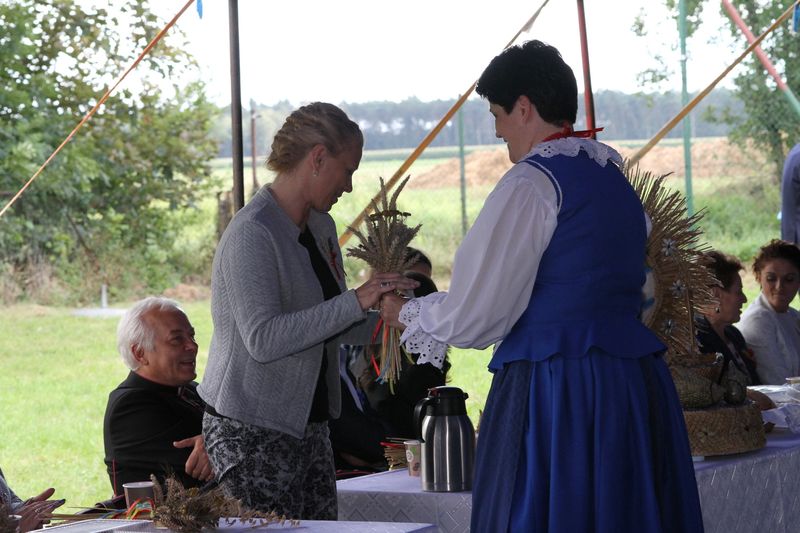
column 784, row 416
column 780, row 394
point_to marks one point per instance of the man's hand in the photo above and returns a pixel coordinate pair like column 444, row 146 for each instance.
column 198, row 465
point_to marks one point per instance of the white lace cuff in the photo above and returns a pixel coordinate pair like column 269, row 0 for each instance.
column 416, row 340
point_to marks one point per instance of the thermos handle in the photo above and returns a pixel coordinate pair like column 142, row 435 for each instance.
column 419, row 414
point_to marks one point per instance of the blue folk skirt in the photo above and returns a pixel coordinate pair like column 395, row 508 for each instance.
column 590, row 444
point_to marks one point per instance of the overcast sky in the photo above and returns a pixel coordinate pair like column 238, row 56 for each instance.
column 356, row 51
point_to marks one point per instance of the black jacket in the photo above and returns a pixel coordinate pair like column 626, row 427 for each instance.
column 142, row 421
column 710, row 342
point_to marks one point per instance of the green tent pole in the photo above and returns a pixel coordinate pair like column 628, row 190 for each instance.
column 687, row 125
column 463, row 172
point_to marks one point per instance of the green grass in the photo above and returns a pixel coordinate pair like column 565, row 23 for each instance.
column 56, row 370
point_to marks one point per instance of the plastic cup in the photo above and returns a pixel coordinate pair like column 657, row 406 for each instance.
column 138, row 490
column 413, row 457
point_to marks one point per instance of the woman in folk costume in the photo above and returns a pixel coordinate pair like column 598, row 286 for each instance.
column 582, row 429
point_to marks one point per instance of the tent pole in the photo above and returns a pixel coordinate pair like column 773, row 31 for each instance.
column 237, row 148
column 588, row 97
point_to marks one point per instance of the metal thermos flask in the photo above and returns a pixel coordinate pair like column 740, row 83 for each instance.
column 448, row 440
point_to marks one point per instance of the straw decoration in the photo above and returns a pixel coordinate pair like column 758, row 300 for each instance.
column 395, row 453
column 192, row 510
column 682, row 283
column 382, row 245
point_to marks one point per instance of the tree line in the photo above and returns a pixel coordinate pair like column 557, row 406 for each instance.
column 119, row 205
column 388, row 125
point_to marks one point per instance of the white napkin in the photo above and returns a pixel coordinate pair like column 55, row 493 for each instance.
column 785, row 416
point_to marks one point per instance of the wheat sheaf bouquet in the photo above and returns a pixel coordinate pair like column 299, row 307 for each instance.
column 382, row 245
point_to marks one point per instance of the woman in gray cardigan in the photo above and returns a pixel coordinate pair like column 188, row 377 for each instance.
column 280, row 309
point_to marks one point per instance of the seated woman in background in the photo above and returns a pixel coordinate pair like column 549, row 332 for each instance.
column 357, row 435
column 715, row 330
column 397, row 409
column 770, row 327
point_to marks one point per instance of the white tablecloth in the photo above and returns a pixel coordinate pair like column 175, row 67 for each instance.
column 306, row 526
column 753, row 492
column 747, row 493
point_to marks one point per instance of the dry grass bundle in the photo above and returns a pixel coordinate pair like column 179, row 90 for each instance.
column 682, row 282
column 395, row 453
column 382, row 245
column 192, row 510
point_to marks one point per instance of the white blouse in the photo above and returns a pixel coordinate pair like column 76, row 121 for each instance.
column 495, row 267
column 775, row 340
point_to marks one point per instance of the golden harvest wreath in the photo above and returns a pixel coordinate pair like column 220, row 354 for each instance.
column 678, row 284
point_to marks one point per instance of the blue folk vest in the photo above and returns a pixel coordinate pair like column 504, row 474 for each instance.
column 587, row 294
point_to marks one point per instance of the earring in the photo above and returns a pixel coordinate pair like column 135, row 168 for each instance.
column 316, row 173
column 716, row 309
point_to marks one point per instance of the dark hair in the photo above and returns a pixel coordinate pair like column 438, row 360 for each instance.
column 426, row 284
column 724, row 267
column 536, row 70
column 411, row 253
column 776, row 249
column 308, row 126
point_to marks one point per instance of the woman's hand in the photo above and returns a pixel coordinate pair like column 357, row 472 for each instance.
column 369, row 294
column 36, row 511
column 762, row 401
column 391, row 304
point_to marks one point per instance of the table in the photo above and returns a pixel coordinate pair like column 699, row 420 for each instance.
column 753, row 492
column 306, row 526
column 745, row 493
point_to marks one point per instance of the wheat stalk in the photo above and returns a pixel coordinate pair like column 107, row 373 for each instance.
column 382, row 245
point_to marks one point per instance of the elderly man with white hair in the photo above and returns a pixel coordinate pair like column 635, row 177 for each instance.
column 153, row 419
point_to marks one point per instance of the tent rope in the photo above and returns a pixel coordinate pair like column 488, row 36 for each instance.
column 345, row 236
column 696, row 100
column 99, row 103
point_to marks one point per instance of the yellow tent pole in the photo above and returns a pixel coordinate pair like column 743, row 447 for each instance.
column 696, row 100
column 345, row 236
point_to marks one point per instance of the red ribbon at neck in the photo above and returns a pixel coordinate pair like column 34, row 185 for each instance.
column 569, row 132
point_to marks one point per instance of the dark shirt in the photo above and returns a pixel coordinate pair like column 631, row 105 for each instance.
column 412, row 386
column 710, row 342
column 142, row 421
column 358, row 433
column 319, row 406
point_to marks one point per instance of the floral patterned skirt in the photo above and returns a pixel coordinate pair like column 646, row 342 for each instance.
column 269, row 470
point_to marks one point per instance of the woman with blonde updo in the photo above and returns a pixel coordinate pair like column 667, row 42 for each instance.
column 280, row 309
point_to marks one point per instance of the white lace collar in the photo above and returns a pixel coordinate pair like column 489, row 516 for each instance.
column 571, row 146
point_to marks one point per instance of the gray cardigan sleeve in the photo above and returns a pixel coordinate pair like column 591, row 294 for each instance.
column 252, row 280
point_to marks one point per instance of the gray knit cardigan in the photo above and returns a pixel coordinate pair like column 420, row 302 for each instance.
column 270, row 319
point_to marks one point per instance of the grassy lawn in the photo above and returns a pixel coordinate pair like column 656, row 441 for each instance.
column 56, row 369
